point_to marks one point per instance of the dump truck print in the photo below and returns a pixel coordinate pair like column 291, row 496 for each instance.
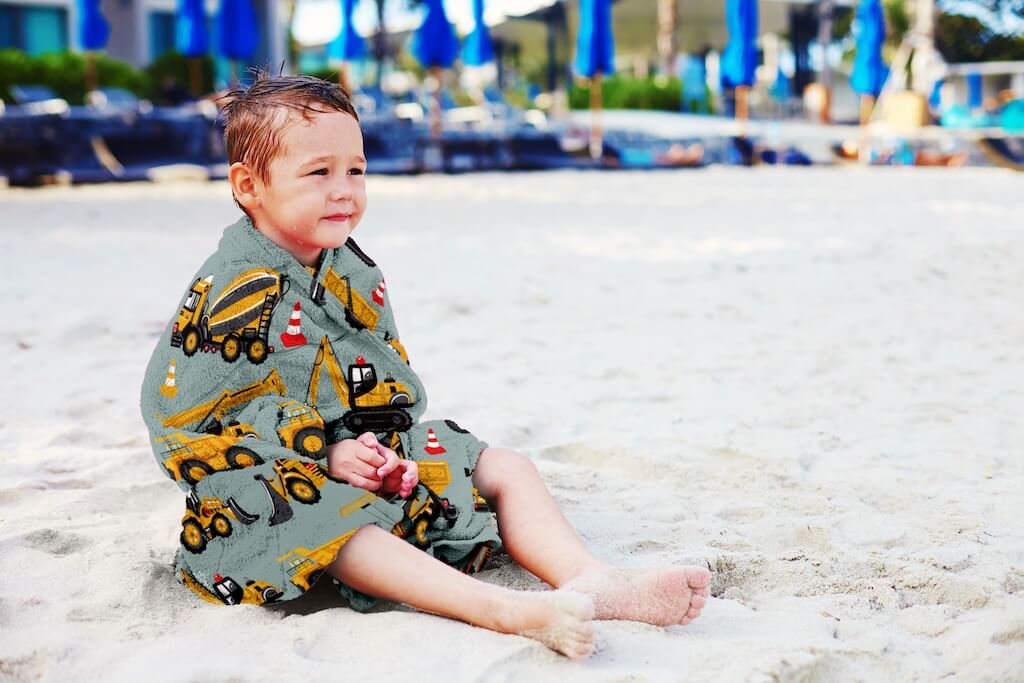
column 191, row 458
column 236, row 322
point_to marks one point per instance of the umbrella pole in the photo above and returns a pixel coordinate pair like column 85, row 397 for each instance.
column 90, row 71
column 867, row 107
column 195, row 76
column 596, row 143
column 435, row 109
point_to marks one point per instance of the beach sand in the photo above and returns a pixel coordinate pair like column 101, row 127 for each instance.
column 811, row 380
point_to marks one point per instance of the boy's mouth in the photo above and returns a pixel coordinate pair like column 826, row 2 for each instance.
column 339, row 217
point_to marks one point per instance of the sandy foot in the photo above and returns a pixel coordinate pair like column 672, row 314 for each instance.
column 559, row 619
column 663, row 596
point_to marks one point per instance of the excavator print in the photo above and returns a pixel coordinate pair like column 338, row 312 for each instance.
column 373, row 405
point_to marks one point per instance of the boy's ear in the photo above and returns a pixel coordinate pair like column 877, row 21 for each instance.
column 243, row 185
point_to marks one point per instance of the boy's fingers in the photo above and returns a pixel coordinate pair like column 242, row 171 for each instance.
column 390, row 462
column 367, row 439
column 365, row 471
column 370, row 457
column 363, row 482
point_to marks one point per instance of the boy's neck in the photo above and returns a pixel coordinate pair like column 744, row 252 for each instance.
column 309, row 257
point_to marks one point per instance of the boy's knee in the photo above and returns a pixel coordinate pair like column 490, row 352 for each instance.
column 498, row 467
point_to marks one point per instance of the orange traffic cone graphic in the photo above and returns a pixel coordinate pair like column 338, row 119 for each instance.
column 378, row 294
column 433, row 446
column 170, row 388
column 293, row 335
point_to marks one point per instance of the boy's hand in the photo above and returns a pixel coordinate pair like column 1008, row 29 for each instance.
column 396, row 475
column 366, row 464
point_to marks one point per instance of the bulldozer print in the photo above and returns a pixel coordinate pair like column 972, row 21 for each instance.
column 373, row 405
column 358, row 311
column 236, row 322
column 209, row 518
column 190, row 458
column 293, row 480
column 226, row 590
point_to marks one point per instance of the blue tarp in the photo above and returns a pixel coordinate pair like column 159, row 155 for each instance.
column 595, row 43
column 739, row 59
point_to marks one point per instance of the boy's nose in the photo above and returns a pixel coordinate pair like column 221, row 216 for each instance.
column 342, row 189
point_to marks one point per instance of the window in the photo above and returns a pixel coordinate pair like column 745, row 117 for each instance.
column 34, row 30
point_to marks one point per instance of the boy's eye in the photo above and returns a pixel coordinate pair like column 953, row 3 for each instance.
column 357, row 171
column 319, row 171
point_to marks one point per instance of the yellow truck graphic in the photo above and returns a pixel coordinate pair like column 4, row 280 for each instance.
column 373, row 405
column 220, row 447
column 209, row 518
column 236, row 322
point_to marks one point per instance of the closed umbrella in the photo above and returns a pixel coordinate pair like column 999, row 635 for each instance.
column 191, row 38
column 93, row 34
column 238, row 34
column 739, row 59
column 348, row 44
column 478, row 49
column 435, row 47
column 595, row 56
column 869, row 72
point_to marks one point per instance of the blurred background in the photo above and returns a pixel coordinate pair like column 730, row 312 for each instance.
column 98, row 90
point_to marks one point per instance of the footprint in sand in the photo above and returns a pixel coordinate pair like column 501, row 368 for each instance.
column 53, row 541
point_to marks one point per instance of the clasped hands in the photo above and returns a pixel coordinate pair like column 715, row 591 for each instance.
column 365, row 463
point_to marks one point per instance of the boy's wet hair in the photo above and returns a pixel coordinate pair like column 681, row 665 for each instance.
column 256, row 115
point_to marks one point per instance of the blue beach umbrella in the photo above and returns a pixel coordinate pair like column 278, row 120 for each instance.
column 595, row 43
column 595, row 56
column 191, row 39
column 190, row 36
column 869, row 72
column 478, row 49
column 348, row 44
column 739, row 60
column 434, row 44
column 93, row 29
column 238, row 34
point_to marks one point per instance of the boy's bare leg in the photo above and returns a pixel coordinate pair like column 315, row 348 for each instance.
column 539, row 537
column 383, row 565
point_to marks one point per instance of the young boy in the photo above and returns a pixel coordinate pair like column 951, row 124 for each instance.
column 281, row 400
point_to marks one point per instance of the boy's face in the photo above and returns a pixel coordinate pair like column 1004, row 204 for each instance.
column 316, row 192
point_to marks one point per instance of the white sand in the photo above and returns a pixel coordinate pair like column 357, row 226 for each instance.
column 812, row 380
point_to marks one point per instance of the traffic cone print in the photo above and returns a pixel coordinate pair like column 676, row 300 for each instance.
column 293, row 335
column 433, row 446
column 170, row 388
column 378, row 294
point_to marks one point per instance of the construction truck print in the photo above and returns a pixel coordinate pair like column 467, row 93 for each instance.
column 226, row 590
column 221, row 446
column 293, row 480
column 209, row 518
column 236, row 322
column 373, row 405
column 359, row 313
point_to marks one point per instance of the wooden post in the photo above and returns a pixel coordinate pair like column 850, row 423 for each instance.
column 596, row 143
column 343, row 78
column 867, row 106
column 90, row 71
column 195, row 76
column 435, row 109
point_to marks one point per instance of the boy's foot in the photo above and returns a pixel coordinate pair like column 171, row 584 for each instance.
column 559, row 619
column 663, row 597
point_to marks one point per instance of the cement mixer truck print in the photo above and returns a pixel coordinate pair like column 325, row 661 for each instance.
column 236, row 322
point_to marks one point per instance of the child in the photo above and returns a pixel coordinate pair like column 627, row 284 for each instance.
column 281, row 400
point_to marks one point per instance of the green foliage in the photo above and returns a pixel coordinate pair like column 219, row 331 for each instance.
column 897, row 20
column 966, row 39
column 172, row 66
column 623, row 92
column 65, row 73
